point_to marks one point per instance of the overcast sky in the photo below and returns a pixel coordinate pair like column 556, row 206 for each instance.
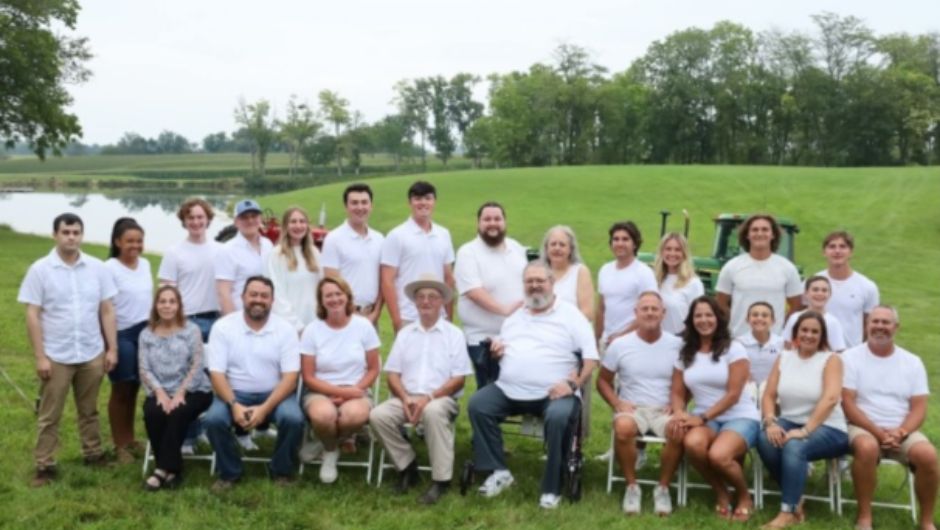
column 183, row 64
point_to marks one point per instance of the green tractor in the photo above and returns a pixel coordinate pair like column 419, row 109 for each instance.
column 726, row 245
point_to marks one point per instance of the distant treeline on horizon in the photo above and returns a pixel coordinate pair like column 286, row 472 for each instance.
column 837, row 96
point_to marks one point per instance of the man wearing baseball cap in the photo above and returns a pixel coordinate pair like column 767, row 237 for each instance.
column 426, row 371
column 241, row 257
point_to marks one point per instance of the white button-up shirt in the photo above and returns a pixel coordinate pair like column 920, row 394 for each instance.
column 356, row 257
column 539, row 349
column 414, row 253
column 70, row 297
column 237, row 261
column 427, row 358
column 253, row 361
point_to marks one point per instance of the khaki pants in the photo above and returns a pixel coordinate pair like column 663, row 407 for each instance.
column 438, row 422
column 84, row 379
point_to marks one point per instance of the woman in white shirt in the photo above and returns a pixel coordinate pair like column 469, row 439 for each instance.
column 572, row 277
column 761, row 343
column 339, row 362
column 132, row 278
column 677, row 281
column 806, row 382
column 817, row 294
column 294, row 268
column 712, row 370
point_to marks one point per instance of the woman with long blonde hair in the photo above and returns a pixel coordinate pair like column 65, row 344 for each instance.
column 294, row 267
column 677, row 281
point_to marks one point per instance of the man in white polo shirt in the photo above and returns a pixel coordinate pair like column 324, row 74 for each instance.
column 241, row 257
column 488, row 274
column 254, row 359
column 538, row 375
column 416, row 247
column 68, row 306
column 642, row 362
column 426, row 371
column 853, row 294
column 353, row 251
column 885, row 398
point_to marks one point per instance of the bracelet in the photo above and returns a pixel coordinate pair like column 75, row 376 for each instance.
column 804, row 431
column 769, row 420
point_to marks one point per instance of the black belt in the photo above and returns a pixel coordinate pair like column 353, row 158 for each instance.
column 206, row 314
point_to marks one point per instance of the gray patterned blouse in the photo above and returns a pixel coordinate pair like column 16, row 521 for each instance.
column 173, row 361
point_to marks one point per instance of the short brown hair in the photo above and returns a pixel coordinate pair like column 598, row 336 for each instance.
column 839, row 234
column 343, row 286
column 631, row 229
column 745, row 243
column 188, row 205
column 179, row 319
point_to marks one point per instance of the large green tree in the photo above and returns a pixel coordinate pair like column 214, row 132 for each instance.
column 36, row 64
column 260, row 127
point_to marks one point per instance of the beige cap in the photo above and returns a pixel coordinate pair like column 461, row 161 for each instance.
column 429, row 280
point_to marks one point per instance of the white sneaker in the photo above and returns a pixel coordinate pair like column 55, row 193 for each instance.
column 498, row 481
column 311, row 450
column 662, row 501
column 809, row 470
column 632, row 499
column 328, row 472
column 187, row 449
column 203, row 439
column 246, row 442
column 549, row 501
column 640, row 459
column 270, row 433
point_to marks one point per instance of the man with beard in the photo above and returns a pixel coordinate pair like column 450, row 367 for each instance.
column 415, row 247
column 487, row 272
column 538, row 375
column 885, row 397
column 254, row 359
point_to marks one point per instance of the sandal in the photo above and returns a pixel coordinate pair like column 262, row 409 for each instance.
column 742, row 514
column 163, row 481
column 723, row 511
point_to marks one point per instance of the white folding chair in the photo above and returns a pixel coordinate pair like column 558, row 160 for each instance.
column 616, row 477
column 366, row 429
column 833, row 481
column 383, row 465
column 911, row 505
column 755, row 489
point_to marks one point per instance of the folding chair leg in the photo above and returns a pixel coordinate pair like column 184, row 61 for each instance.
column 143, row 471
column 913, row 495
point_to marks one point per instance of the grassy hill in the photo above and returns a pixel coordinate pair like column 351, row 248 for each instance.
column 892, row 213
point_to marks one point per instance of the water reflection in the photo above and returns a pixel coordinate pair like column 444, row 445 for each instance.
column 33, row 213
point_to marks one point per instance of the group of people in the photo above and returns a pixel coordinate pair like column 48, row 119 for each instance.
column 233, row 330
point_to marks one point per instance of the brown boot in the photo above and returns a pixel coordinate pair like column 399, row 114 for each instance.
column 43, row 477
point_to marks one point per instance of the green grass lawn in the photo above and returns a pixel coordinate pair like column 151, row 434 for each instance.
column 892, row 212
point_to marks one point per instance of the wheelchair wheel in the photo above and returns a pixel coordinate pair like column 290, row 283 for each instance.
column 573, row 485
column 466, row 477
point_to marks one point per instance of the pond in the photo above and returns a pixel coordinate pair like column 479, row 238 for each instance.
column 32, row 213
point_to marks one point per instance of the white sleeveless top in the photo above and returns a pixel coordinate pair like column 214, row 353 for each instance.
column 801, row 387
column 566, row 287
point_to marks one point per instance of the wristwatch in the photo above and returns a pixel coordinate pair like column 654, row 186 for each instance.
column 232, row 402
column 704, row 417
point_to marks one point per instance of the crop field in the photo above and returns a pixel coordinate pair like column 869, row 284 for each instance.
column 891, row 211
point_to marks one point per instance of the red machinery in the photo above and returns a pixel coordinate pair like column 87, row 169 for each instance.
column 271, row 228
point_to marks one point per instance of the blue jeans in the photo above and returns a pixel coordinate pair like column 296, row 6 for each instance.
column 489, row 406
column 204, row 321
column 290, row 426
column 787, row 464
column 485, row 367
column 127, row 343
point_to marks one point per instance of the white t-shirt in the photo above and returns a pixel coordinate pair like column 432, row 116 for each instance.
column 851, row 299
column 644, row 370
column 708, row 383
column 192, row 268
column 357, row 258
column 620, row 288
column 238, row 261
column 834, row 331
column 496, row 270
column 426, row 359
column 295, row 291
column 135, row 292
column 566, row 287
column 748, row 280
column 801, row 387
column 70, row 297
column 414, row 253
column 678, row 301
column 253, row 361
column 340, row 353
column 884, row 385
column 539, row 349
column 762, row 356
